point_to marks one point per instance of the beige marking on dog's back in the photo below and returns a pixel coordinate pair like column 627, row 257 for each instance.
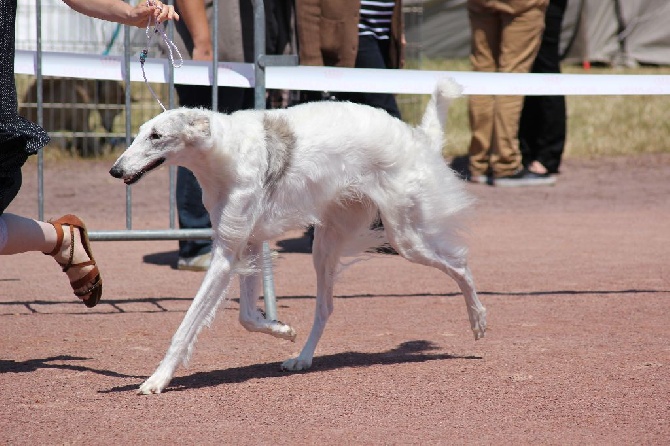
column 280, row 142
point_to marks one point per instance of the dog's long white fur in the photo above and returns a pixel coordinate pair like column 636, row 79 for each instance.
column 335, row 165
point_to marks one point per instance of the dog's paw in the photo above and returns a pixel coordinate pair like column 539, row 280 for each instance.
column 479, row 323
column 277, row 329
column 155, row 384
column 283, row 331
column 479, row 334
column 148, row 388
column 296, row 364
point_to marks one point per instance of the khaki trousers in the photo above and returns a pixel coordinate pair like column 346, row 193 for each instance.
column 505, row 41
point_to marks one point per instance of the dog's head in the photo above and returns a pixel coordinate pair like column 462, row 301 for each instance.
column 164, row 138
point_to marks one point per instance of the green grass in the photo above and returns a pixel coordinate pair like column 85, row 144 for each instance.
column 597, row 125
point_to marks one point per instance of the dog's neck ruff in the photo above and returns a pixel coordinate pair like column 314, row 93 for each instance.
column 158, row 29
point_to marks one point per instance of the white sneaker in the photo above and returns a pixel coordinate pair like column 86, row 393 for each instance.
column 197, row 263
column 479, row 179
column 526, row 178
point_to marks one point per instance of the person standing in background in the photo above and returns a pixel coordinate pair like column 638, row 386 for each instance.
column 351, row 34
column 193, row 37
column 542, row 129
column 341, row 33
column 505, row 38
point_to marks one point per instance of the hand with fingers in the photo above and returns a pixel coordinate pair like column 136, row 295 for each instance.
column 121, row 12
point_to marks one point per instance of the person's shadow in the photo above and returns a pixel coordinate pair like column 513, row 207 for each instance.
column 54, row 362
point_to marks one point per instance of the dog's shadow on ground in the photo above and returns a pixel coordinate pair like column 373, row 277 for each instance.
column 407, row 352
column 301, row 245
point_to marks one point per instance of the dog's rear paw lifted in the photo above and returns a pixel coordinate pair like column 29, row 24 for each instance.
column 283, row 331
column 478, row 322
column 257, row 323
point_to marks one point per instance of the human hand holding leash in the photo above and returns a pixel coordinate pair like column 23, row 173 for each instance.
column 124, row 13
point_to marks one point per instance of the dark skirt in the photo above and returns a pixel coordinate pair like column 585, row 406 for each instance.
column 19, row 137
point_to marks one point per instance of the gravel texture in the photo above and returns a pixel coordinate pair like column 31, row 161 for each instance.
column 576, row 278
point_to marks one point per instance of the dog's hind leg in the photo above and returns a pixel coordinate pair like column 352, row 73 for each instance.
column 200, row 313
column 325, row 255
column 442, row 252
column 476, row 311
column 251, row 317
column 329, row 238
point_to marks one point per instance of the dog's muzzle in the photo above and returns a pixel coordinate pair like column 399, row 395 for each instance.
column 118, row 172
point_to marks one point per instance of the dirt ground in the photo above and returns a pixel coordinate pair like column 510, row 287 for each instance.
column 576, row 279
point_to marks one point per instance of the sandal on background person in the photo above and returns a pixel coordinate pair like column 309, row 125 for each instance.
column 91, row 283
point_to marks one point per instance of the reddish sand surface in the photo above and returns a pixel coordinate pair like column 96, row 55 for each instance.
column 576, row 279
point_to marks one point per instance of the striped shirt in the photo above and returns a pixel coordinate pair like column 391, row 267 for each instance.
column 375, row 19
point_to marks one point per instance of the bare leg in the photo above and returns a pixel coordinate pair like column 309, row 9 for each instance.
column 28, row 235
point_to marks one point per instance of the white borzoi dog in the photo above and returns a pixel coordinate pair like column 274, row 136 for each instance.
column 335, row 165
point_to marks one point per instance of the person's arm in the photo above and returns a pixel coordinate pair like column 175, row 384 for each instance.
column 195, row 19
column 122, row 12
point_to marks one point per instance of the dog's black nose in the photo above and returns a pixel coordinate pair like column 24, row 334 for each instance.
column 116, row 172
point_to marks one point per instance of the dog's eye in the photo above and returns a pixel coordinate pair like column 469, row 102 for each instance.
column 155, row 135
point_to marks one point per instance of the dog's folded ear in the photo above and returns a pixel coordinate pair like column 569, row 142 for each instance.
column 201, row 126
column 197, row 124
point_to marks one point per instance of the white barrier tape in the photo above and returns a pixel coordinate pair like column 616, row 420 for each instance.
column 423, row 82
column 92, row 66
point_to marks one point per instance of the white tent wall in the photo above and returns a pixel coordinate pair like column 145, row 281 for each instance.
column 647, row 30
column 445, row 31
column 614, row 32
column 590, row 32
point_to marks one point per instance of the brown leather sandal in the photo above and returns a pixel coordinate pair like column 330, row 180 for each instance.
column 94, row 290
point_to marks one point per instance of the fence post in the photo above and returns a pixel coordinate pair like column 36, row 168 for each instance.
column 261, row 61
column 259, row 103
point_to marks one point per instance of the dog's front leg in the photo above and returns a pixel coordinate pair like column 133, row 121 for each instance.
column 251, row 317
column 200, row 312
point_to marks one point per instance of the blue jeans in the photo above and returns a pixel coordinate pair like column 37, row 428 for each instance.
column 191, row 212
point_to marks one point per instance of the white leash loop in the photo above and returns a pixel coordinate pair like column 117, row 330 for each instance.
column 158, row 28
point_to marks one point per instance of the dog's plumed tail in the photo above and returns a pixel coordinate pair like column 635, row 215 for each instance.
column 435, row 116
